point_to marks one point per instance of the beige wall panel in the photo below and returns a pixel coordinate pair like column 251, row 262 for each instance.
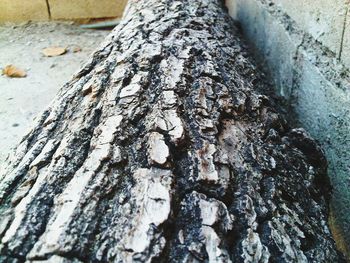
column 23, row 10
column 73, row 9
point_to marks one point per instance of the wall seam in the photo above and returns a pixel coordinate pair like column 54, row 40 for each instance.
column 296, row 69
column 48, row 8
column 343, row 31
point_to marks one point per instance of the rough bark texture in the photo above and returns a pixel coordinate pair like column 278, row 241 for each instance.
column 161, row 150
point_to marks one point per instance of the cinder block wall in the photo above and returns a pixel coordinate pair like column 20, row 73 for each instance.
column 43, row 10
column 305, row 45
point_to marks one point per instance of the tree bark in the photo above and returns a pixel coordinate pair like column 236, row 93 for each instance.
column 160, row 149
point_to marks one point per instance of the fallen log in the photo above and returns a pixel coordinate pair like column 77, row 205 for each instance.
column 161, row 149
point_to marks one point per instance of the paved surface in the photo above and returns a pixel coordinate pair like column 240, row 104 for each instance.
column 23, row 99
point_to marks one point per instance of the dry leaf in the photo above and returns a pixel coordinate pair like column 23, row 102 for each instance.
column 53, row 51
column 76, row 49
column 14, row 72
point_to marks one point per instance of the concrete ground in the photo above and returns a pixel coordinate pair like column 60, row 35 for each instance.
column 22, row 99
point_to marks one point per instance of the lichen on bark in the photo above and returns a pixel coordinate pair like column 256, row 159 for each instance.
column 161, row 149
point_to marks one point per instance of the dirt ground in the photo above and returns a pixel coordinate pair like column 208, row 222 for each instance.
column 22, row 99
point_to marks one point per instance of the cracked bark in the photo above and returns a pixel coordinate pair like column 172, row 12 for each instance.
column 161, row 149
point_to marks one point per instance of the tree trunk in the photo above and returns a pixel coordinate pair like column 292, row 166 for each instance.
column 161, row 150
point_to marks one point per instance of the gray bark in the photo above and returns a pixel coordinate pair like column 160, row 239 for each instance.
column 160, row 149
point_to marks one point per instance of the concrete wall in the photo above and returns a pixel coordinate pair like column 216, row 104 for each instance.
column 305, row 45
column 324, row 20
column 345, row 55
column 41, row 10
